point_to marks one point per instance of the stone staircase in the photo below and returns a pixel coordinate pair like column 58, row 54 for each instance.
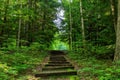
column 57, row 65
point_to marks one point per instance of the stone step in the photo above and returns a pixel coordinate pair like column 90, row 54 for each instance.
column 55, row 59
column 58, row 56
column 62, row 59
column 56, row 52
column 58, row 64
column 57, row 68
column 56, row 73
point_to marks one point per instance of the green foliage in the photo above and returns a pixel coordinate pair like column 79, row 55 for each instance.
column 37, row 22
column 12, row 65
column 98, row 22
column 38, row 32
column 37, row 46
column 58, row 44
column 7, row 71
column 92, row 68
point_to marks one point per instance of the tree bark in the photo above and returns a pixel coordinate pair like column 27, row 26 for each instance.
column 113, row 13
column 117, row 50
column 82, row 24
column 70, row 33
column 19, row 28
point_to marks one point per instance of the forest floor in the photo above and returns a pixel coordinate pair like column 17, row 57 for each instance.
column 87, row 69
column 92, row 68
column 30, row 73
column 23, row 66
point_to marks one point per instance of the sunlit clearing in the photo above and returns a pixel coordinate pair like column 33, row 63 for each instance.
column 59, row 45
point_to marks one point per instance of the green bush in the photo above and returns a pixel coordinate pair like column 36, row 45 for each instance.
column 7, row 72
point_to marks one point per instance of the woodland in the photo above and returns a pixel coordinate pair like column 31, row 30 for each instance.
column 88, row 29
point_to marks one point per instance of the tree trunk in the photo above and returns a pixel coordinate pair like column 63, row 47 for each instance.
column 3, row 27
column 70, row 33
column 19, row 28
column 117, row 50
column 82, row 24
column 113, row 13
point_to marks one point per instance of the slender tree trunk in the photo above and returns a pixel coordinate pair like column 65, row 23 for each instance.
column 43, row 23
column 117, row 50
column 44, row 17
column 3, row 27
column 70, row 33
column 113, row 13
column 19, row 28
column 27, row 27
column 82, row 24
column 30, row 4
column 5, row 15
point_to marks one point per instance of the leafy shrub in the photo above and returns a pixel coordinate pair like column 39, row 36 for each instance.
column 7, row 71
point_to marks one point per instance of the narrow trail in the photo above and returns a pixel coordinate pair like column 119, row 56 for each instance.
column 56, row 66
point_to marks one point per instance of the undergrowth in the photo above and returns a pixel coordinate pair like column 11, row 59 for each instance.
column 93, row 68
column 13, row 66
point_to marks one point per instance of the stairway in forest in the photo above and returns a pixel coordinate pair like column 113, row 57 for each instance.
column 57, row 65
